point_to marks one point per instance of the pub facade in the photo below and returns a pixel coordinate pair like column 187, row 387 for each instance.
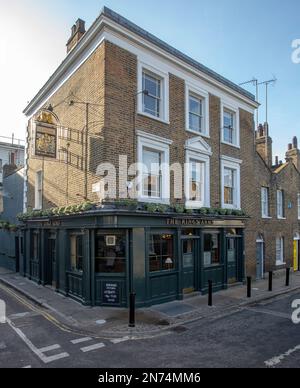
column 100, row 257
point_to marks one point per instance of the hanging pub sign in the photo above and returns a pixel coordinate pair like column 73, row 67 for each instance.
column 45, row 135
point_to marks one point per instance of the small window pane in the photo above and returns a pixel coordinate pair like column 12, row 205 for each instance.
column 110, row 253
column 76, row 253
column 161, row 253
column 229, row 130
column 212, row 249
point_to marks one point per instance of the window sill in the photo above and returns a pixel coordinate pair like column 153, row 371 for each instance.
column 230, row 144
column 157, row 201
column 281, row 218
column 149, row 116
column 230, row 207
column 266, row 218
column 198, row 133
column 195, row 205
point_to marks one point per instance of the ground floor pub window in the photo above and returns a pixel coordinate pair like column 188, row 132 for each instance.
column 211, row 253
column 161, row 252
column 110, row 253
column 76, row 242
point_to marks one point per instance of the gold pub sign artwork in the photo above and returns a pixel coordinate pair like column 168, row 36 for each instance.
column 46, row 133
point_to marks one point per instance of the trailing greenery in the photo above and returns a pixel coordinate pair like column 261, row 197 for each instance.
column 132, row 205
column 5, row 225
column 59, row 211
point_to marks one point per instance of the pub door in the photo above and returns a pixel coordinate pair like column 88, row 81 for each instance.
column 232, row 259
column 189, row 265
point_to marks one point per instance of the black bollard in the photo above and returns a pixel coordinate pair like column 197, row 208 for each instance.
column 287, row 282
column 132, row 310
column 210, row 293
column 270, row 281
column 249, row 286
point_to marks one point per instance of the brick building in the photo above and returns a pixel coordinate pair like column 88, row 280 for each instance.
column 121, row 97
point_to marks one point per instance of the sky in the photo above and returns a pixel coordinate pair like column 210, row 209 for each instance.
column 238, row 39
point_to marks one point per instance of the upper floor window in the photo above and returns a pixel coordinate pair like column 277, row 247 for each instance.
column 152, row 84
column 229, row 186
column 196, row 117
column 280, row 204
column 197, row 110
column 153, row 92
column 230, row 126
column 39, row 190
column 154, row 168
column 231, row 197
column 152, row 174
column 196, row 181
column 265, row 202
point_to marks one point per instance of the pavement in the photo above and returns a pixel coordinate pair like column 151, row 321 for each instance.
column 112, row 323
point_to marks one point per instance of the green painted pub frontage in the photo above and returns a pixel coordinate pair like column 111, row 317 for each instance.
column 99, row 257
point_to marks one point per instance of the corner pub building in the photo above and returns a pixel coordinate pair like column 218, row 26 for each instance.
column 122, row 91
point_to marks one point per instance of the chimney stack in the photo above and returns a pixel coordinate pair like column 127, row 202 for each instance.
column 77, row 32
column 293, row 153
column 264, row 144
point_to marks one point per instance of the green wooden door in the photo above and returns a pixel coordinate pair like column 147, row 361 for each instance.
column 188, row 257
column 232, row 260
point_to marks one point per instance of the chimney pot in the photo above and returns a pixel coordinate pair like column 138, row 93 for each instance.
column 295, row 142
column 290, row 146
column 276, row 160
column 260, row 130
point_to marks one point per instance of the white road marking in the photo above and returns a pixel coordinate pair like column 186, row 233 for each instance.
column 80, row 340
column 119, row 340
column 92, row 347
column 27, row 367
column 277, row 360
column 56, row 357
column 34, row 349
column 49, row 348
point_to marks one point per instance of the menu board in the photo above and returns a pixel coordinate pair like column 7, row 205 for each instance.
column 111, row 293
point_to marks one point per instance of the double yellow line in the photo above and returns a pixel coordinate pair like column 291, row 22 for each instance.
column 27, row 304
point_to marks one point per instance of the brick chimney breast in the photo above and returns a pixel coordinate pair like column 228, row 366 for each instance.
column 77, row 32
column 264, row 144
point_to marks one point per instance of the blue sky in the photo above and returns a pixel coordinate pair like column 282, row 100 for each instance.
column 238, row 39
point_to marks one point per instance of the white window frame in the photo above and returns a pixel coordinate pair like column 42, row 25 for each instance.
column 204, row 96
column 233, row 164
column 161, row 145
column 280, row 204
column 266, row 190
column 236, row 112
column 205, row 159
column 164, row 106
column 38, row 195
column 280, row 261
column 298, row 205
